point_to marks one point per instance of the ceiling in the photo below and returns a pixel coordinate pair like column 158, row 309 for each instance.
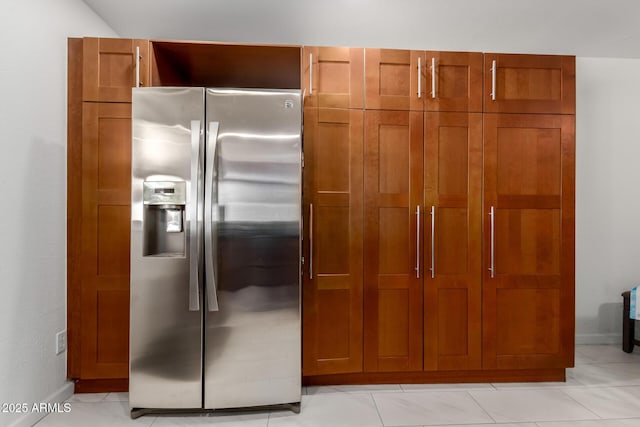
column 598, row 28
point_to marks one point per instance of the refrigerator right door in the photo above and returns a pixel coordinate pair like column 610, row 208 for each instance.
column 252, row 342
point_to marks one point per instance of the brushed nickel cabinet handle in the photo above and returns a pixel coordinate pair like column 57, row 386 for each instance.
column 311, row 241
column 311, row 74
column 418, row 241
column 493, row 80
column 492, row 269
column 433, row 241
column 433, row 77
column 419, row 79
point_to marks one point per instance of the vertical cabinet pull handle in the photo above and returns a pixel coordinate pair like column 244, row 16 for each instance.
column 137, row 66
column 493, row 80
column 311, row 74
column 419, row 79
column 418, row 241
column 433, row 77
column 311, row 241
column 433, row 241
column 492, row 268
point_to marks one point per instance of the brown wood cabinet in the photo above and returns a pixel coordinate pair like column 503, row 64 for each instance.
column 392, row 79
column 529, row 84
column 110, row 68
column 528, row 295
column 332, row 273
column 452, row 241
column 333, row 77
column 454, row 81
column 392, row 266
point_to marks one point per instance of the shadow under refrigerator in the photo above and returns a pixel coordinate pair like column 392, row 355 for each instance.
column 215, row 249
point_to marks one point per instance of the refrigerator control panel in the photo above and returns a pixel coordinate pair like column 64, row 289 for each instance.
column 164, row 193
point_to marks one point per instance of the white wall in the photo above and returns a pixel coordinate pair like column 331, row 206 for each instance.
column 33, row 36
column 607, row 193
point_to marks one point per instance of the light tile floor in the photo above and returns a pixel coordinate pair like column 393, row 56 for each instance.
column 603, row 390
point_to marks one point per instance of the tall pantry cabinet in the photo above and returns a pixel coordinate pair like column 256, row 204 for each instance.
column 529, row 211
column 101, row 75
column 467, row 199
column 333, row 210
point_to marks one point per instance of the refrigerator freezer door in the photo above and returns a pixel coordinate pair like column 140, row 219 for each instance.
column 252, row 344
column 166, row 316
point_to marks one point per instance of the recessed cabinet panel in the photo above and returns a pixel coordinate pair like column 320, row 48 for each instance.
column 527, row 241
column 529, row 84
column 452, row 241
column 332, row 245
column 391, row 79
column 393, row 241
column 333, row 339
column 454, row 324
column 110, row 68
column 332, row 300
column 113, row 235
column 333, row 77
column 453, row 81
column 529, row 161
column 524, row 331
column 112, row 317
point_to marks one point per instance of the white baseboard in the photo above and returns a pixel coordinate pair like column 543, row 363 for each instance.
column 614, row 338
column 59, row 396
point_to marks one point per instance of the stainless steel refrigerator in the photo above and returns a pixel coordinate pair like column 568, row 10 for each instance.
column 215, row 249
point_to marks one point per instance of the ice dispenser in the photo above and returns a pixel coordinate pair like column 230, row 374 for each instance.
column 164, row 218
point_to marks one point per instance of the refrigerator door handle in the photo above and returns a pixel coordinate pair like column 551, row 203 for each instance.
column 209, row 250
column 194, row 253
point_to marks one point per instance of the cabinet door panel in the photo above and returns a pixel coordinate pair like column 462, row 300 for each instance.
column 454, row 81
column 393, row 292
column 452, row 284
column 530, row 84
column 109, row 68
column 332, row 296
column 106, row 199
column 334, row 78
column 392, row 79
column 528, row 306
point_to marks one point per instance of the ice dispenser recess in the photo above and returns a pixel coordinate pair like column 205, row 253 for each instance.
column 164, row 218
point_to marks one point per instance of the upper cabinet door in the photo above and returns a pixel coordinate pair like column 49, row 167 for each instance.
column 333, row 77
column 110, row 68
column 395, row 79
column 529, row 84
column 454, row 81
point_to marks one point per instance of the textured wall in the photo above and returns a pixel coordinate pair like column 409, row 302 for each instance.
column 33, row 85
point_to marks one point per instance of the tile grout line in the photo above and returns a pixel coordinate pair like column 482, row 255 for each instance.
column 375, row 405
column 481, row 407
column 571, row 397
